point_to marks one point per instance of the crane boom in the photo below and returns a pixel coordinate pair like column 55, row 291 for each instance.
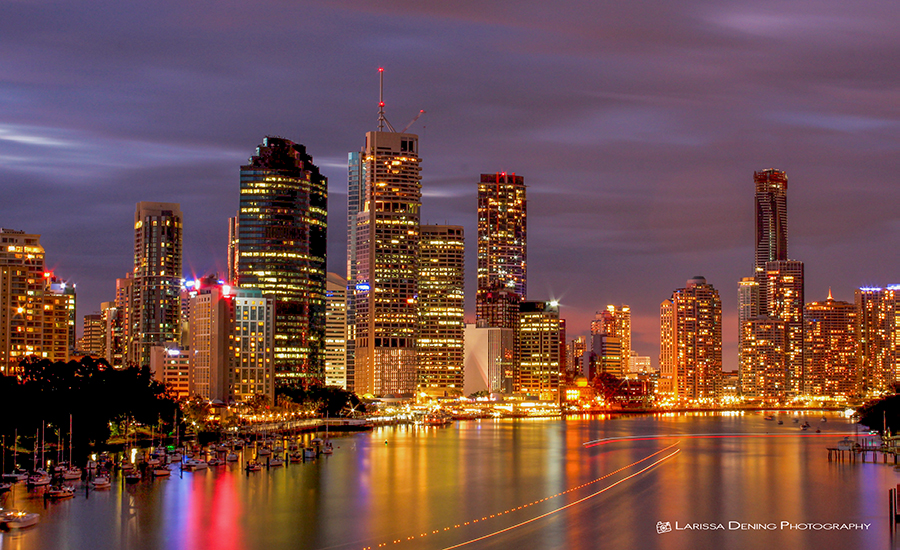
column 413, row 121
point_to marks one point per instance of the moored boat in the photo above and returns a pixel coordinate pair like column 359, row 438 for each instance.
column 60, row 492
column 39, row 478
column 16, row 519
column 101, row 482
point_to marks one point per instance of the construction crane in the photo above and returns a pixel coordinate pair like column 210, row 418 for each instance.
column 413, row 121
column 382, row 120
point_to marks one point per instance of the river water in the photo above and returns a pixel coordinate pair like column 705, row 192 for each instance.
column 705, row 480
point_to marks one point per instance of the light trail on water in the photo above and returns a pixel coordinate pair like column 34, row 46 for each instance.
column 515, row 508
column 579, row 501
column 606, row 440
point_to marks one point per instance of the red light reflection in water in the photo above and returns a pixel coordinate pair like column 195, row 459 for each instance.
column 214, row 516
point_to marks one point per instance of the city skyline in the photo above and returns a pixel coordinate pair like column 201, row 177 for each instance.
column 637, row 137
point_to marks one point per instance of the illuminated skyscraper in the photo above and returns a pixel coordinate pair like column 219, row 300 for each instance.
column 831, row 365
column 771, row 225
column 748, row 306
column 385, row 264
column 785, row 300
column 501, row 249
column 441, row 304
column 155, row 303
column 336, row 331
column 35, row 306
column 92, row 339
column 611, row 330
column 537, row 348
column 231, row 341
column 281, row 230
column 691, row 343
column 878, row 339
column 763, row 369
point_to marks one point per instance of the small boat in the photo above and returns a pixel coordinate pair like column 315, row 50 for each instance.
column 824, row 419
column 160, row 471
column 101, row 482
column 60, row 492
column 769, row 417
column 796, row 420
column 126, row 466
column 4, row 487
column 213, row 461
column 15, row 519
column 133, row 476
column 153, row 461
column 194, row 464
column 296, row 456
column 232, row 457
column 264, row 452
column 276, row 461
column 39, row 478
column 328, row 448
column 72, row 473
column 16, row 476
column 254, row 466
column 780, row 422
column 309, row 452
column 804, row 426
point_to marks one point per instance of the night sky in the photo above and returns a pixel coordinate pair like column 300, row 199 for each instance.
column 637, row 126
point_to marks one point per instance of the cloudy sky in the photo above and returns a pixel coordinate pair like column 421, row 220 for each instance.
column 637, row 126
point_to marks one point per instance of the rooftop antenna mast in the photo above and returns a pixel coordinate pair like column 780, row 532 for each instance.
column 381, row 118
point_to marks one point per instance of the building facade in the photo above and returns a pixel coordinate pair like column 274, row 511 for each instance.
column 878, row 349
column 831, row 366
column 441, row 301
column 154, row 300
column 785, row 301
column 336, row 331
column 691, row 343
column 385, row 265
column 771, row 225
column 502, row 266
column 537, row 349
column 35, row 308
column 281, row 244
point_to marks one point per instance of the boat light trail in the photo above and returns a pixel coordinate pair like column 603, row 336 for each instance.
column 514, row 508
column 579, row 501
column 606, row 440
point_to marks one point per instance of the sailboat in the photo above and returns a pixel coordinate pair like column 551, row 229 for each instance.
column 72, row 472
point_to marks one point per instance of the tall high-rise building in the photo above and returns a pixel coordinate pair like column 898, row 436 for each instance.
column 383, row 263
column 336, row 331
column 280, row 250
column 501, row 249
column 113, row 320
column 785, row 300
column 231, row 342
column 537, row 348
column 36, row 308
column 615, row 323
column 771, row 225
column 831, row 366
column 748, row 306
column 155, row 299
column 691, row 343
column 92, row 335
column 441, row 302
column 763, row 373
column 878, row 337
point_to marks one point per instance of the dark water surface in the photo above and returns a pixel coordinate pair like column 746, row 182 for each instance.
column 517, row 483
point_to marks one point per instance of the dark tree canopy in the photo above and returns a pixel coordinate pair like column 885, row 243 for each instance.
column 93, row 393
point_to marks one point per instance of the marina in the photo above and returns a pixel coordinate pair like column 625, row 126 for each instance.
column 434, row 487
